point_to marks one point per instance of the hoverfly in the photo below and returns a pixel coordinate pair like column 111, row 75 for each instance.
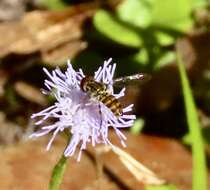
column 99, row 91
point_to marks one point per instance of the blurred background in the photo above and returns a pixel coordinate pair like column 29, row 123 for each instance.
column 142, row 36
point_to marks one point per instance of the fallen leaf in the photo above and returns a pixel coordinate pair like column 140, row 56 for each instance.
column 165, row 157
column 30, row 93
column 28, row 165
column 47, row 31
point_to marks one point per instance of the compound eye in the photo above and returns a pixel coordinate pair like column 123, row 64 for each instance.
column 84, row 83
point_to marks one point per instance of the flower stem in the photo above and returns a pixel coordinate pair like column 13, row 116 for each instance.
column 59, row 168
column 57, row 174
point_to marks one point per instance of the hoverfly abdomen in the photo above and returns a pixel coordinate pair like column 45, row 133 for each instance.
column 112, row 103
column 99, row 91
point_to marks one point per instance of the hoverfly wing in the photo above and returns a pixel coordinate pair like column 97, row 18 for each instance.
column 136, row 79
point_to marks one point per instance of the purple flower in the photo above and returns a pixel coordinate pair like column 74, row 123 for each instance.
column 87, row 119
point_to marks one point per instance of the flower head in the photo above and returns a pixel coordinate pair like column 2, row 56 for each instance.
column 87, row 119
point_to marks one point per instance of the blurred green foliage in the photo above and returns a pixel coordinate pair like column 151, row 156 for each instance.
column 111, row 27
column 148, row 27
column 151, row 26
column 137, row 126
column 158, row 13
column 54, row 4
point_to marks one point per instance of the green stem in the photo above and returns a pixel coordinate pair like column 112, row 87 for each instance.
column 198, row 153
column 57, row 174
column 59, row 169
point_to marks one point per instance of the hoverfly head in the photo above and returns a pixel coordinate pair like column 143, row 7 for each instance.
column 85, row 82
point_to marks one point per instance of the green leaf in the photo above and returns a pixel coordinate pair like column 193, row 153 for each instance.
column 137, row 126
column 169, row 14
column 142, row 57
column 198, row 153
column 164, row 39
column 161, row 187
column 166, row 58
column 186, row 139
column 200, row 3
column 54, row 4
column 136, row 12
column 108, row 25
column 173, row 14
column 57, row 174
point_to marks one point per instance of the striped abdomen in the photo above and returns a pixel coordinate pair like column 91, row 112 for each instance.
column 111, row 102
